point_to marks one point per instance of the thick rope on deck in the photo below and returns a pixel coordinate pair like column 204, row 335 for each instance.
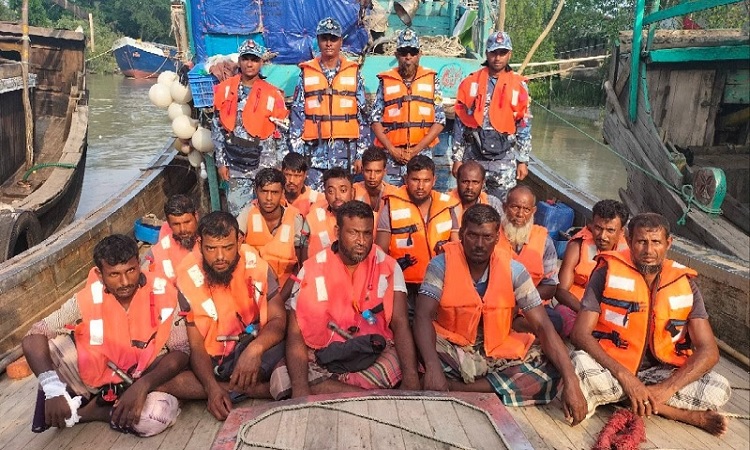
column 246, row 428
column 623, row 431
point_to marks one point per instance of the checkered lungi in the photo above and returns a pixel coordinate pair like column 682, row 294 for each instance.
column 384, row 373
column 531, row 381
column 600, row 387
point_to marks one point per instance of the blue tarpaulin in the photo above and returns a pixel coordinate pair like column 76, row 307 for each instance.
column 288, row 26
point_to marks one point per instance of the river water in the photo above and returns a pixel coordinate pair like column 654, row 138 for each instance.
column 125, row 132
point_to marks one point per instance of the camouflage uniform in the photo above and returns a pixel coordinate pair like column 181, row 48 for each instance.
column 501, row 173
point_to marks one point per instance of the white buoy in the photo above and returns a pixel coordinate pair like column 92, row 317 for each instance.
column 177, row 109
column 180, row 94
column 160, row 96
column 201, row 140
column 184, row 127
column 196, row 158
column 182, row 146
column 166, row 78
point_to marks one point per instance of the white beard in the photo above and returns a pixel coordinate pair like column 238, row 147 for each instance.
column 517, row 236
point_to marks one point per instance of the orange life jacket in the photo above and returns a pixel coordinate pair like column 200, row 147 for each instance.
column 276, row 249
column 167, row 256
column 632, row 318
column 225, row 311
column 306, row 200
column 264, row 101
column 532, row 253
column 131, row 339
column 510, row 100
column 409, row 111
column 329, row 293
column 411, row 235
column 460, row 308
column 330, row 109
column 361, row 194
column 586, row 262
column 459, row 209
column 322, row 225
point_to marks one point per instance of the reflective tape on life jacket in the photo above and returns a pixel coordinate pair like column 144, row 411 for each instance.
column 328, row 292
column 322, row 225
column 225, row 311
column 586, row 260
column 411, row 235
column 532, row 253
column 459, row 209
column 167, row 256
column 263, row 102
column 131, row 339
column 627, row 312
column 409, row 111
column 330, row 109
column 276, row 249
column 509, row 104
column 460, row 308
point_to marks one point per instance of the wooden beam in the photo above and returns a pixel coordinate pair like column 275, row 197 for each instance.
column 689, row 54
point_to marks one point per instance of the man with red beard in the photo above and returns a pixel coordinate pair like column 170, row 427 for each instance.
column 530, row 245
column 348, row 327
column 320, row 223
column 182, row 219
column 235, row 317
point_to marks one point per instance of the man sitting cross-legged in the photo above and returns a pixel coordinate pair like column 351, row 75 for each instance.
column 348, row 327
column 462, row 325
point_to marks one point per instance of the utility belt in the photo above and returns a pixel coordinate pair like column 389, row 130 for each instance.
column 242, row 153
column 490, row 144
column 236, row 141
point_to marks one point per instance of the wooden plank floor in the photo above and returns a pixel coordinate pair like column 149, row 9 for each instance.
column 544, row 426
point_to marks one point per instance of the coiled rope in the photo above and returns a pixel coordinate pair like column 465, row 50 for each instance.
column 685, row 192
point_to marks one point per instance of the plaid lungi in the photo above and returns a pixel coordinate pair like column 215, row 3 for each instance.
column 384, row 373
column 600, row 387
column 531, row 381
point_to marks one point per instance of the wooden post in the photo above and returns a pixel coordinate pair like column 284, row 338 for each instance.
column 500, row 23
column 28, row 116
column 542, row 36
column 91, row 32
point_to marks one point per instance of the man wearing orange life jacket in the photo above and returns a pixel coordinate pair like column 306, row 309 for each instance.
column 373, row 190
column 296, row 193
column 644, row 335
column 243, row 132
column 320, row 223
column 274, row 230
column 121, row 319
column 493, row 122
column 326, row 121
column 235, row 317
column 530, row 245
column 182, row 220
column 415, row 222
column 407, row 114
column 605, row 233
column 348, row 326
column 469, row 190
column 463, row 324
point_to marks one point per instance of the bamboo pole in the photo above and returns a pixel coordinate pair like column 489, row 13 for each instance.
column 500, row 22
column 91, row 31
column 28, row 116
column 542, row 36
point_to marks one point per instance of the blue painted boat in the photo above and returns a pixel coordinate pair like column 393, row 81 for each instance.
column 137, row 59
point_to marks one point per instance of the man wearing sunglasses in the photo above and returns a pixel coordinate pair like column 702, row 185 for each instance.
column 326, row 125
column 493, row 122
column 408, row 114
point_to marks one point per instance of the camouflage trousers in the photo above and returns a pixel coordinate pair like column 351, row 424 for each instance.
column 395, row 172
column 240, row 191
column 325, row 156
column 501, row 177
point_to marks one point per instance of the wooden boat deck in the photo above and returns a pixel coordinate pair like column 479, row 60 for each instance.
column 543, row 427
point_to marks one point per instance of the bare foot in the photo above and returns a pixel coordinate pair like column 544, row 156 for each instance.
column 711, row 422
column 94, row 413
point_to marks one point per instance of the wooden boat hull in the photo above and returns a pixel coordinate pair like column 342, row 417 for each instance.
column 724, row 279
column 60, row 114
column 37, row 282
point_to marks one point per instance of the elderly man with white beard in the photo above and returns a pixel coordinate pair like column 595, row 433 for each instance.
column 530, row 245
